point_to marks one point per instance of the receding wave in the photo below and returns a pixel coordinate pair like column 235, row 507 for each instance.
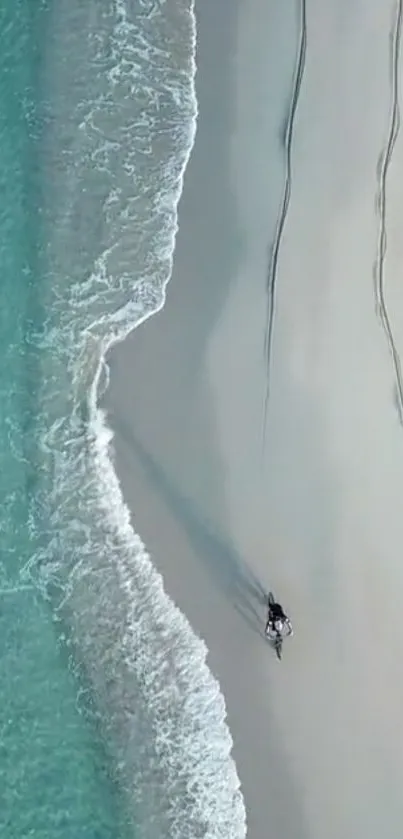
column 115, row 151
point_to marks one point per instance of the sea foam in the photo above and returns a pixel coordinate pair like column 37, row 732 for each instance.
column 159, row 709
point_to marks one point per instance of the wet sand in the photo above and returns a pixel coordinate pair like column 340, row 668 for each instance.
column 310, row 508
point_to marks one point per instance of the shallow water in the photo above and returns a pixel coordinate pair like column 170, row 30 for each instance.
column 111, row 723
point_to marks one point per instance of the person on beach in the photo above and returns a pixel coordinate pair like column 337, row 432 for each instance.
column 276, row 619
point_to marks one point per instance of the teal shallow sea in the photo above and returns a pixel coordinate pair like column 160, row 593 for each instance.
column 53, row 770
column 106, row 703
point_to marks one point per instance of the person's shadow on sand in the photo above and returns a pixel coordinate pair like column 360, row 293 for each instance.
column 235, row 578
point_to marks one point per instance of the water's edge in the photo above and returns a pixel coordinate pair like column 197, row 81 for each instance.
column 111, row 162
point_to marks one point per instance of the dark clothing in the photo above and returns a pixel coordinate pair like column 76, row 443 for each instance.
column 276, row 613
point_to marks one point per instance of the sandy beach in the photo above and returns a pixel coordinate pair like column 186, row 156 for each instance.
column 311, row 508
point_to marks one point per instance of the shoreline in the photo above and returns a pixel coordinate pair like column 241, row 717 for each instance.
column 315, row 516
column 157, row 446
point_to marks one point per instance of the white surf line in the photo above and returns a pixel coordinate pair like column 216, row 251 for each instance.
column 219, row 810
column 203, row 735
column 16, row 590
column 383, row 166
column 274, row 255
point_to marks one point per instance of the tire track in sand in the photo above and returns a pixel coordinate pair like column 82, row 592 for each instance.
column 275, row 249
column 382, row 171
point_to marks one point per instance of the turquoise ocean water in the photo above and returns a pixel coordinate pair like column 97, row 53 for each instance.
column 111, row 724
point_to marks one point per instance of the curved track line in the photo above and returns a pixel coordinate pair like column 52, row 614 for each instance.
column 383, row 165
column 272, row 273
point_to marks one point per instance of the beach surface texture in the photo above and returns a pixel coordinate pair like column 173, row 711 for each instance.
column 258, row 416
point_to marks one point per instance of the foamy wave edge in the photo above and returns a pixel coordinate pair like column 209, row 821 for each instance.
column 221, row 803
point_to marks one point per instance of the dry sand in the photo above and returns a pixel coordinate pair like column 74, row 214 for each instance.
column 317, row 515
